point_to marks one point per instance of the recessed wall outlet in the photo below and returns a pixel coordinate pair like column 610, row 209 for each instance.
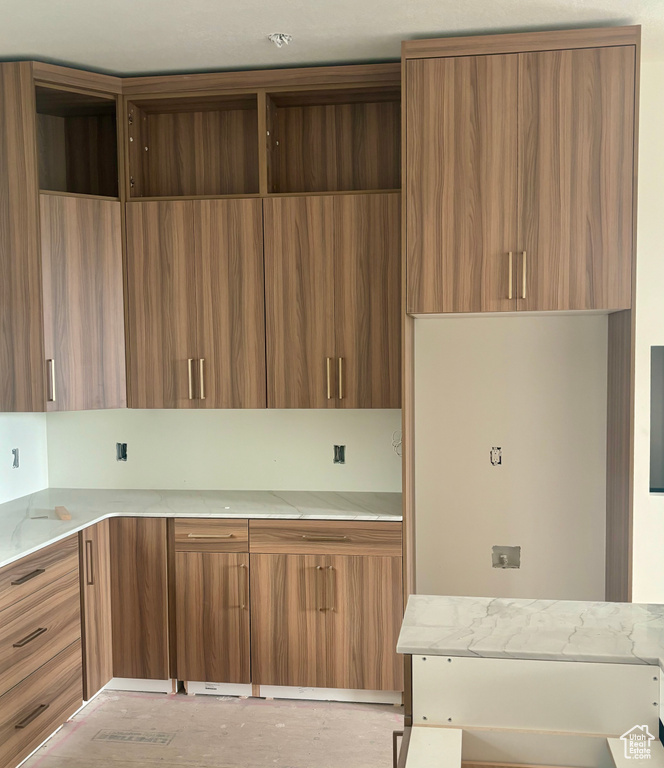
column 14, row 458
column 496, row 456
column 121, row 451
column 339, row 454
column 506, row 557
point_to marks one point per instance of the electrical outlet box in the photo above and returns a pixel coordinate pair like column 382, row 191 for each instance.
column 15, row 459
column 506, row 557
column 339, row 454
column 121, row 451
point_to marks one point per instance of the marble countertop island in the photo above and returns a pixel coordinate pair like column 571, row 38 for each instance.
column 553, row 630
column 30, row 523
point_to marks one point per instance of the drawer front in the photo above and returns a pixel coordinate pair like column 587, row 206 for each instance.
column 27, row 575
column 36, row 629
column 41, row 703
column 202, row 535
column 331, row 537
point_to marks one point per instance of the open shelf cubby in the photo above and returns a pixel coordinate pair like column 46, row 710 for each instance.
column 77, row 142
column 187, row 146
column 334, row 140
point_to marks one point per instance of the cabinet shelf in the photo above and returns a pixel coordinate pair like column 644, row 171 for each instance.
column 334, row 140
column 193, row 147
column 77, row 142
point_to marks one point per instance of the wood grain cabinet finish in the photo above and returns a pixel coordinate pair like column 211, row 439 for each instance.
column 84, row 343
column 576, row 164
column 36, row 629
column 196, row 304
column 204, row 535
column 95, row 588
column 40, row 704
column 22, row 376
column 326, row 621
column 332, row 278
column 139, row 597
column 212, row 617
column 29, row 574
column 519, row 180
column 461, row 182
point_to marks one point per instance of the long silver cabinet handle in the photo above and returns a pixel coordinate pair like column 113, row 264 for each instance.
column 525, row 275
column 510, row 276
column 201, row 371
column 190, row 372
column 51, row 382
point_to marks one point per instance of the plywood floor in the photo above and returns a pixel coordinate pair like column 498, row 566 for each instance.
column 128, row 730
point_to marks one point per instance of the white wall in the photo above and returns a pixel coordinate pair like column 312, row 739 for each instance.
column 252, row 450
column 27, row 432
column 648, row 566
column 535, row 386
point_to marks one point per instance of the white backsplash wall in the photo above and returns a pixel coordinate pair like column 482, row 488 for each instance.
column 27, row 432
column 225, row 449
column 536, row 387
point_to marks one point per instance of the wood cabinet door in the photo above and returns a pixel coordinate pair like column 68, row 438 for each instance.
column 212, row 617
column 231, row 303
column 21, row 344
column 139, row 597
column 299, row 301
column 461, row 182
column 363, row 610
column 576, row 155
column 96, row 606
column 161, row 288
column 84, row 342
column 287, row 621
column 367, row 300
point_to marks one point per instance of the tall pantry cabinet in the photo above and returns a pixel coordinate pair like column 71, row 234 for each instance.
column 520, row 195
column 61, row 297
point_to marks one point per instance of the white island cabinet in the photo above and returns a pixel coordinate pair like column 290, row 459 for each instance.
column 533, row 683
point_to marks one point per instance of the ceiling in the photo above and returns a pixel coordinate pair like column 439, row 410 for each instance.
column 150, row 36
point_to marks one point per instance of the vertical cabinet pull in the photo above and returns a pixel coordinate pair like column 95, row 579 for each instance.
column 328, row 365
column 51, row 380
column 89, row 568
column 320, row 588
column 510, row 277
column 244, row 597
column 332, row 587
column 524, row 276
column 341, row 378
column 201, row 371
column 190, row 372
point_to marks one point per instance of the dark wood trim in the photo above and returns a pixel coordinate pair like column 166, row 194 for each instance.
column 79, row 78
column 476, row 45
column 366, row 75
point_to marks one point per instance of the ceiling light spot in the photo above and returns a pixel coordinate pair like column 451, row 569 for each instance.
column 280, row 39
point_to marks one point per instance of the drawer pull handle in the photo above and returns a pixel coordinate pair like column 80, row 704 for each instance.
column 211, row 536
column 32, row 716
column 309, row 537
column 32, row 636
column 28, row 576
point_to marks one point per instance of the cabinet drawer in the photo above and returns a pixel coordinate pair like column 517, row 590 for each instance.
column 325, row 537
column 202, row 535
column 25, row 576
column 36, row 629
column 41, row 703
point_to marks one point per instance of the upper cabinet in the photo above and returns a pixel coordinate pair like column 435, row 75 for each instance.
column 196, row 304
column 520, row 172
column 333, row 297
column 61, row 297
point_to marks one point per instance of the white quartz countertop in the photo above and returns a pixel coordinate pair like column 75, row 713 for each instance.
column 553, row 630
column 30, row 523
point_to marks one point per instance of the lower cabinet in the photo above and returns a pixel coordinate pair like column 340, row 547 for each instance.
column 139, row 597
column 212, row 617
column 96, row 622
column 329, row 621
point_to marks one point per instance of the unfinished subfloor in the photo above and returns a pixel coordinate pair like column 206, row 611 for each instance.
column 144, row 729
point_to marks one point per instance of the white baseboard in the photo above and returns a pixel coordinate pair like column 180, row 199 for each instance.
column 143, row 686
column 292, row 692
